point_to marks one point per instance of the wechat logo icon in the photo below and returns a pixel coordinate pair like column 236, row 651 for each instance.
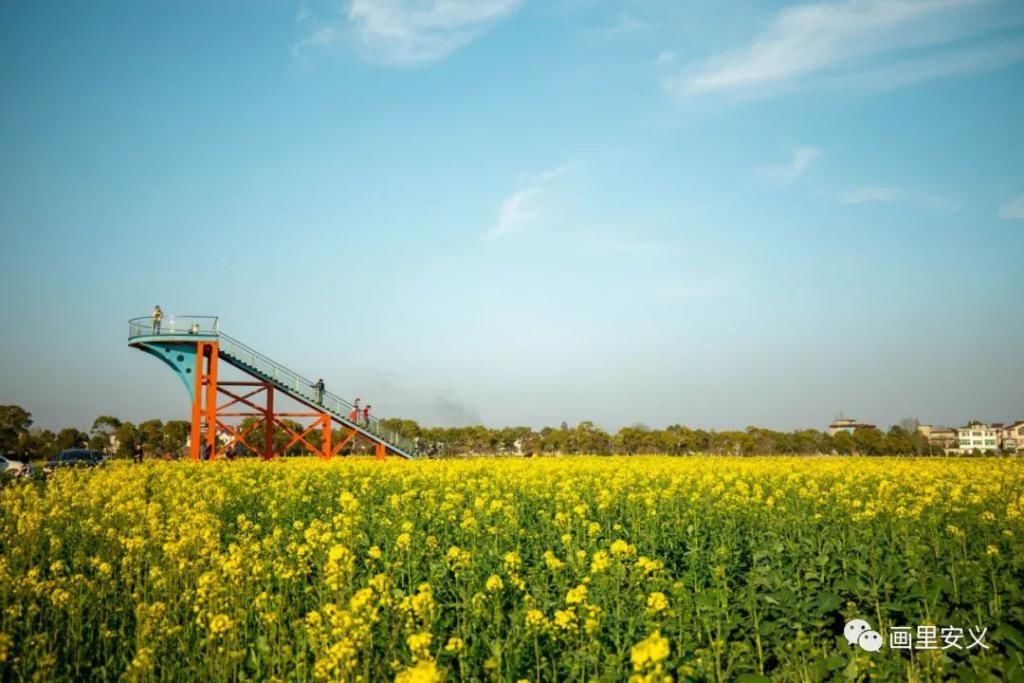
column 859, row 632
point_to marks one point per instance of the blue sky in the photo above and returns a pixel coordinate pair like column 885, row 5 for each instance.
column 516, row 212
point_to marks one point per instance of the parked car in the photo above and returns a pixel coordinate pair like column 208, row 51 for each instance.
column 11, row 466
column 75, row 457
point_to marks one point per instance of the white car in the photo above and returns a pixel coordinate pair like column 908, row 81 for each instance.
column 13, row 467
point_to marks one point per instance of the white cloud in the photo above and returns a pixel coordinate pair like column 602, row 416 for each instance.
column 322, row 37
column 523, row 206
column 545, row 177
column 891, row 195
column 624, row 25
column 407, row 32
column 805, row 44
column 665, row 58
column 974, row 59
column 787, row 174
column 1013, row 209
column 516, row 210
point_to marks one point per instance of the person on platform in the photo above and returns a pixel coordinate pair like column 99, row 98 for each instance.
column 158, row 317
column 319, row 388
column 195, row 327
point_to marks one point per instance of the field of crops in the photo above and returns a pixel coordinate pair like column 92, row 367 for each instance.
column 546, row 569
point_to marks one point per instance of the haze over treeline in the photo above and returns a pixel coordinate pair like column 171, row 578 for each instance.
column 18, row 435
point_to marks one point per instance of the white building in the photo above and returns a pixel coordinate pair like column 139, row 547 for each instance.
column 978, row 436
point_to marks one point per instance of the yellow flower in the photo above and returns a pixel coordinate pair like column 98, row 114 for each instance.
column 649, row 652
column 423, row 602
column 455, row 645
column 513, row 561
column 60, row 597
column 424, row 671
column 419, row 644
column 564, row 619
column 458, row 559
column 374, row 553
column 657, row 602
column 552, row 562
column 620, row 548
column 536, row 620
column 220, row 624
column 576, row 595
column 649, row 566
column 494, row 583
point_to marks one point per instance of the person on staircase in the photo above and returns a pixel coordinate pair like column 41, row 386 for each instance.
column 354, row 415
column 319, row 387
column 366, row 415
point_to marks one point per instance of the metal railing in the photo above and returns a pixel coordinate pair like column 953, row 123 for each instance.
column 175, row 325
column 252, row 361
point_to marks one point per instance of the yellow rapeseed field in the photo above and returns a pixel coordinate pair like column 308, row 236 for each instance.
column 642, row 569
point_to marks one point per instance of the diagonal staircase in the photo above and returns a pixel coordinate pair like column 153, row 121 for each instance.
column 252, row 362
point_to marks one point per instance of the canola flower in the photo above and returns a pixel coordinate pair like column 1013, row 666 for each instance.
column 642, row 569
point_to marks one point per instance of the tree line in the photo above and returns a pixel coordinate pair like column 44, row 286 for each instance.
column 118, row 437
column 675, row 439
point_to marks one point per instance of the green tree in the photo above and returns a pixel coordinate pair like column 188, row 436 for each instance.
column 869, row 441
column 588, row 438
column 125, row 435
column 152, row 434
column 635, row 439
column 677, row 439
column 14, row 425
column 554, row 440
column 69, row 437
column 843, row 443
column 899, row 442
column 103, row 428
column 39, row 444
column 175, row 434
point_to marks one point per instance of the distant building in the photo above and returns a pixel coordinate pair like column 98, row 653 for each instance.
column 942, row 438
column 1012, row 437
column 978, row 436
column 845, row 424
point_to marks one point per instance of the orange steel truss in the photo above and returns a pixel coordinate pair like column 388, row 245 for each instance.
column 211, row 417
